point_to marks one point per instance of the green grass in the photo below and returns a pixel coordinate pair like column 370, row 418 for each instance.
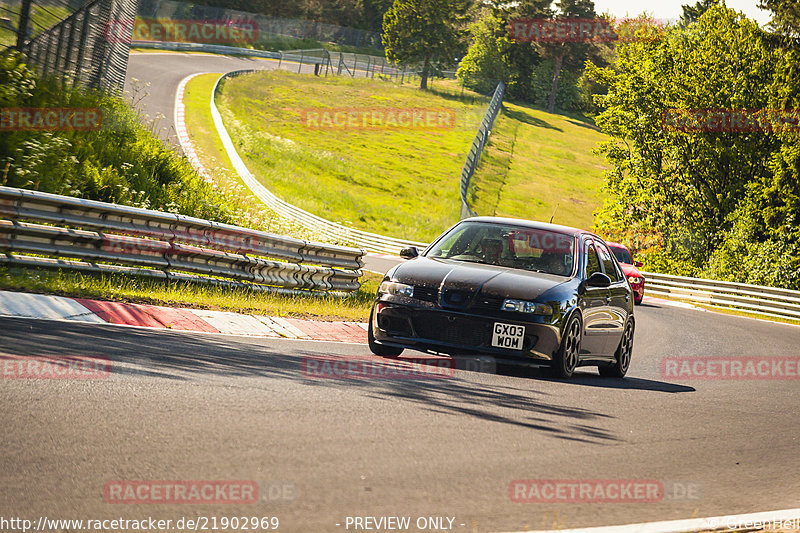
column 190, row 295
column 401, row 182
column 535, row 161
column 404, row 182
column 42, row 16
column 209, row 149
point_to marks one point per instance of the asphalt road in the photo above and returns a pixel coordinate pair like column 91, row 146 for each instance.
column 187, row 406
column 153, row 78
column 184, row 406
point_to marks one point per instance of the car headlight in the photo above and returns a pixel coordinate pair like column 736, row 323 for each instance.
column 522, row 306
column 396, row 289
column 633, row 280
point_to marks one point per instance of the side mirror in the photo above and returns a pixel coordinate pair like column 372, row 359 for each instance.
column 409, row 253
column 598, row 279
column 638, row 264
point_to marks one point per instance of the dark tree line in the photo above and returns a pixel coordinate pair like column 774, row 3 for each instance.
column 361, row 14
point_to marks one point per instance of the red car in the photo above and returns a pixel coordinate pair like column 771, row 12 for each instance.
column 629, row 268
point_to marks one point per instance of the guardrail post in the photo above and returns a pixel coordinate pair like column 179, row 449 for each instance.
column 300, row 66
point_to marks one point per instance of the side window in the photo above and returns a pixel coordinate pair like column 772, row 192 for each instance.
column 592, row 262
column 608, row 263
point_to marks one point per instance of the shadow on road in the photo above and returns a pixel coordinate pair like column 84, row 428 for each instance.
column 184, row 357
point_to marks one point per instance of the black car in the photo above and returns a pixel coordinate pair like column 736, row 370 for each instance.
column 518, row 290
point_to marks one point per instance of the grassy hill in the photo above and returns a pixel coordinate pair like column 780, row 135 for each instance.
column 403, row 181
column 536, row 163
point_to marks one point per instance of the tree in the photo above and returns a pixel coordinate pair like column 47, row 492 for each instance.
column 692, row 13
column 701, row 190
column 573, row 53
column 486, row 60
column 424, row 31
column 373, row 13
column 785, row 15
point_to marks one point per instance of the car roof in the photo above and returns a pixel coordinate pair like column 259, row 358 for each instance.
column 618, row 245
column 531, row 224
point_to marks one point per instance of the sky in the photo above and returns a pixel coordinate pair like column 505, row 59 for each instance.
column 671, row 9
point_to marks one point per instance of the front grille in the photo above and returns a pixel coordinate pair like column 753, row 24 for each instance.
column 456, row 298
column 426, row 294
column 492, row 304
column 456, row 331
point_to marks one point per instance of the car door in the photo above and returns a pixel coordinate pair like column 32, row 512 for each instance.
column 594, row 305
column 619, row 294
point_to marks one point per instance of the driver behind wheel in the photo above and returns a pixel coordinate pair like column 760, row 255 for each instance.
column 492, row 250
column 554, row 264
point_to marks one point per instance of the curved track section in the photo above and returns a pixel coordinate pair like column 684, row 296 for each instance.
column 191, row 406
column 200, row 406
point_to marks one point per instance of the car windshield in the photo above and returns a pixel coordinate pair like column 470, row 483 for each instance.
column 508, row 245
column 622, row 255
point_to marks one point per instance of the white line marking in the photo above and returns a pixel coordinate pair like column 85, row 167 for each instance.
column 286, row 325
column 27, row 305
column 692, row 525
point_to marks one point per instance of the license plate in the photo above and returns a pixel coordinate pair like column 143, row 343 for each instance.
column 509, row 336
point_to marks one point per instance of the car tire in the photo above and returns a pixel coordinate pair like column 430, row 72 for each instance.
column 380, row 349
column 566, row 359
column 623, row 355
column 638, row 301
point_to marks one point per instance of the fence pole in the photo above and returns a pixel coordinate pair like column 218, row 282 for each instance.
column 300, row 66
column 22, row 29
column 82, row 46
column 59, row 46
column 71, row 40
column 48, row 54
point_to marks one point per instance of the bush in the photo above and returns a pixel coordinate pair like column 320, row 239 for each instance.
column 122, row 162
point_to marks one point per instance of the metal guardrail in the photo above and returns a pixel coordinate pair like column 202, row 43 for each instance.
column 339, row 63
column 475, row 151
column 370, row 241
column 116, row 238
column 757, row 299
column 211, row 48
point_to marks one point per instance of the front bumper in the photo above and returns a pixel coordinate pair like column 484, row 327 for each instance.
column 638, row 291
column 459, row 333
